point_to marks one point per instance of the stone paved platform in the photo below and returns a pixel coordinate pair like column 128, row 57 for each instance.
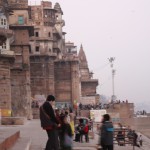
column 38, row 136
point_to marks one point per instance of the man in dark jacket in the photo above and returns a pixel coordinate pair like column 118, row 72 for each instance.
column 50, row 123
column 106, row 139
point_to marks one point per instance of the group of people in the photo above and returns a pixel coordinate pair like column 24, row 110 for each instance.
column 99, row 105
column 128, row 136
column 81, row 130
column 93, row 106
column 119, row 101
column 58, row 125
column 137, row 139
column 143, row 112
column 107, row 135
column 60, row 128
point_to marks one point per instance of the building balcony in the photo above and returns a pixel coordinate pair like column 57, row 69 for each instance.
column 43, row 54
column 7, row 55
column 33, row 38
column 89, row 81
column 20, row 66
column 4, row 34
column 55, row 45
column 7, row 52
column 23, row 27
column 57, row 34
column 62, row 22
column 68, row 59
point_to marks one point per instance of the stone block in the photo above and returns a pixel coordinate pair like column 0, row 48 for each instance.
column 22, row 144
column 8, row 139
column 13, row 120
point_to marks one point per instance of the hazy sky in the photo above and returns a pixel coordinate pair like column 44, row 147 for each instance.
column 113, row 28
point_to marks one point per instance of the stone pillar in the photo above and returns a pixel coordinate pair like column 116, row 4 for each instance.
column 5, row 81
column 51, row 78
column 75, row 81
column 21, row 93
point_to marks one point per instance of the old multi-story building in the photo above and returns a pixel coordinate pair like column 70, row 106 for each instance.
column 46, row 46
column 5, row 33
column 43, row 63
column 55, row 66
column 6, row 59
column 50, row 70
column 20, row 71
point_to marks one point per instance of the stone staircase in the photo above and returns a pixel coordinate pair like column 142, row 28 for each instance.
column 8, row 139
column 11, row 140
column 22, row 144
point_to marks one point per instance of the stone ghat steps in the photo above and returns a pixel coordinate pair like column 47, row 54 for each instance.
column 22, row 144
column 36, row 147
column 84, row 148
column 8, row 138
column 11, row 140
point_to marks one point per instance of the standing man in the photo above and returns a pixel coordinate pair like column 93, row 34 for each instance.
column 50, row 123
column 106, row 139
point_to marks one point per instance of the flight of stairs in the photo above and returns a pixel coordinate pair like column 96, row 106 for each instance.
column 11, row 140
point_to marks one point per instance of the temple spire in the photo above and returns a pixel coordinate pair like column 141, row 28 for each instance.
column 82, row 58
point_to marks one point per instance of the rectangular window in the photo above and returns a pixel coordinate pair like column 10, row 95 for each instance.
column 37, row 34
column 20, row 20
column 4, row 46
column 2, row 21
column 37, row 49
column 49, row 34
column 30, row 50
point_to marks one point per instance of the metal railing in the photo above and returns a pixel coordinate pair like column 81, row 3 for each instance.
column 122, row 138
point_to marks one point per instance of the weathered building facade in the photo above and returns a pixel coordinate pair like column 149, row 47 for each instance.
column 6, row 57
column 55, row 65
column 43, row 63
column 67, row 77
column 46, row 46
column 20, row 72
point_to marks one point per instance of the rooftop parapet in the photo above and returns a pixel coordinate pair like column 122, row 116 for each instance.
column 46, row 5
column 18, row 4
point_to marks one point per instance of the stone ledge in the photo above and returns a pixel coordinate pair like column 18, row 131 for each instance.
column 22, row 144
column 13, row 120
column 8, row 139
column 84, row 148
column 36, row 147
